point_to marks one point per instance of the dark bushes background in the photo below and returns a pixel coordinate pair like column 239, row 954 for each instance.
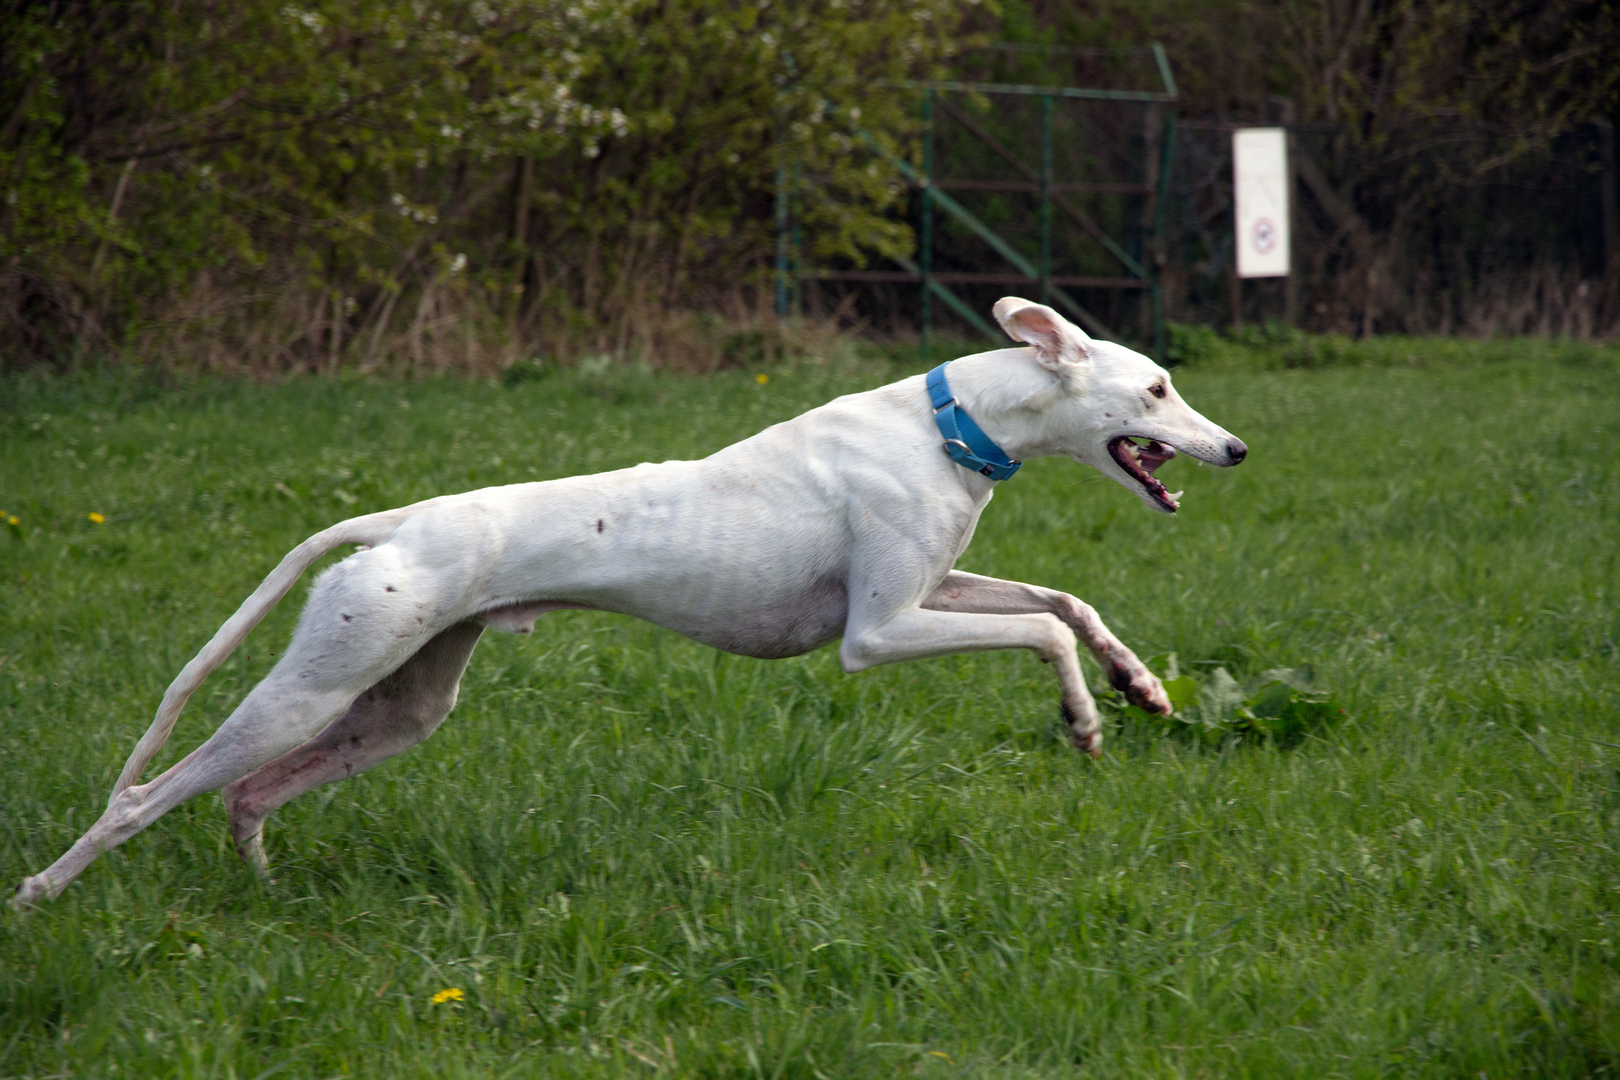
column 430, row 184
column 423, row 183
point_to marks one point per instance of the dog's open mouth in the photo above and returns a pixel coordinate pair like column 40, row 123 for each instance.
column 1141, row 462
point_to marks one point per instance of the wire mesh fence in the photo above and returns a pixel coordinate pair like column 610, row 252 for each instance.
column 1455, row 229
column 1448, row 228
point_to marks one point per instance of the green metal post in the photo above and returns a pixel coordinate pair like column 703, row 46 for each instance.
column 796, row 248
column 781, row 240
column 1166, row 150
column 927, row 201
column 988, row 235
column 1169, row 80
column 1046, row 198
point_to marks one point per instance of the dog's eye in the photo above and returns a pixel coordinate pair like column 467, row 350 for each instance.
column 1157, row 389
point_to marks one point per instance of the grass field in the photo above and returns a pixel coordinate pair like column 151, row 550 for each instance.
column 637, row 856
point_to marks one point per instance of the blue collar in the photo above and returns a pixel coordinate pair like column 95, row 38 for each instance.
column 965, row 441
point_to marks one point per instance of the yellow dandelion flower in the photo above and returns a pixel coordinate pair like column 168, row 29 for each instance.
column 13, row 520
column 762, row 378
column 452, row 993
column 97, row 518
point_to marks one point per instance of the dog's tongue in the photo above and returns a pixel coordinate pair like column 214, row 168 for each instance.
column 1153, row 455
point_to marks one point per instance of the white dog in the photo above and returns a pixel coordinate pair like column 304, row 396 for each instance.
column 843, row 522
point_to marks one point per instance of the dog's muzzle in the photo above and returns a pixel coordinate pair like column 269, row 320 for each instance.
column 1140, row 462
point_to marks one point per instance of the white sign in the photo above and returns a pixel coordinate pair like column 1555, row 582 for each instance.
column 1260, row 196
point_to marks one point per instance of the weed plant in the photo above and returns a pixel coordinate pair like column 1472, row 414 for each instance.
column 626, row 854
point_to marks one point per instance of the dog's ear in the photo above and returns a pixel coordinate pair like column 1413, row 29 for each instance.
column 1056, row 340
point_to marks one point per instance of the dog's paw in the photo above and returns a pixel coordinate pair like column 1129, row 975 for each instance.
column 1090, row 744
column 1084, row 727
column 252, row 852
column 1140, row 686
column 31, row 892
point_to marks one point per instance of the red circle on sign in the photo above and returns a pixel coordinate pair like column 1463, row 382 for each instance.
column 1263, row 234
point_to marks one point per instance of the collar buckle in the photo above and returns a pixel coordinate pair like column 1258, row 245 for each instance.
column 965, row 441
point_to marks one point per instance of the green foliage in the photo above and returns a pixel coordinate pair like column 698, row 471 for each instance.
column 155, row 141
column 377, row 183
column 633, row 854
column 1279, row 704
column 569, row 162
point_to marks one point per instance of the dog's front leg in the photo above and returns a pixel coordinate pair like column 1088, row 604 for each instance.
column 971, row 592
column 915, row 633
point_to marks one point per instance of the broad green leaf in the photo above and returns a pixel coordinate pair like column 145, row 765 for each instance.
column 1182, row 692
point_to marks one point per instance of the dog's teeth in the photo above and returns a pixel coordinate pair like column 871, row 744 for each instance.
column 1174, row 495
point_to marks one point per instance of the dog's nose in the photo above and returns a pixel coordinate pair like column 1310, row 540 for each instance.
column 1236, row 450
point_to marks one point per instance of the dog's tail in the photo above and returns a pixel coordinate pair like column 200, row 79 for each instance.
column 371, row 529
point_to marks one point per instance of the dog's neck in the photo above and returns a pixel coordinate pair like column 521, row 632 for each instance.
column 1010, row 395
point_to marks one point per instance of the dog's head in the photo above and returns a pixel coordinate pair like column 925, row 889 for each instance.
column 1112, row 408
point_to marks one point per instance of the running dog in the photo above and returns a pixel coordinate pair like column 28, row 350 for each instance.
column 844, row 522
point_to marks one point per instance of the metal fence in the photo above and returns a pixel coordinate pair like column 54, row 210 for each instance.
column 1099, row 200
column 1048, row 188
column 1458, row 229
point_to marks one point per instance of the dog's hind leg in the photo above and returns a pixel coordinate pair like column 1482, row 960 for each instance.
column 970, row 592
column 387, row 719
column 273, row 715
column 366, row 617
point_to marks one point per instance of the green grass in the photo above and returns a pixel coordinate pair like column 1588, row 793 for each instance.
column 637, row 856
